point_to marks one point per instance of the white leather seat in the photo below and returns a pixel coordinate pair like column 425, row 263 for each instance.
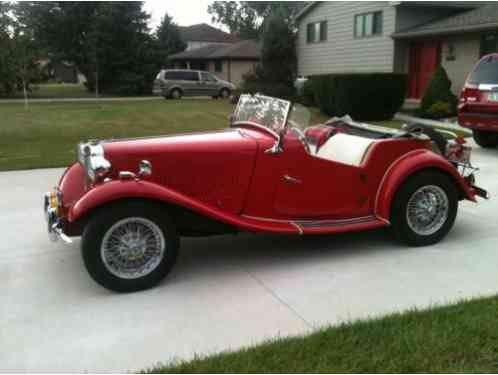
column 345, row 148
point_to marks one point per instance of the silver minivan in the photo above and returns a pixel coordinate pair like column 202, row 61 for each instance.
column 176, row 83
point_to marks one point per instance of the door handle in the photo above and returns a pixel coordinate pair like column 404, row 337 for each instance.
column 294, row 180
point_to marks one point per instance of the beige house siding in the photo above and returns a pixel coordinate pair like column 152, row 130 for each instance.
column 466, row 52
column 343, row 52
column 238, row 69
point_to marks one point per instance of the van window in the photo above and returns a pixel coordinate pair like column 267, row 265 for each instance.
column 485, row 72
column 182, row 75
column 207, row 77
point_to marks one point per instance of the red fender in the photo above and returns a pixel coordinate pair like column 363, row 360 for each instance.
column 408, row 164
column 120, row 189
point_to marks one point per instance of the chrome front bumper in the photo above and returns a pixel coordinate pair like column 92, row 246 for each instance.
column 51, row 202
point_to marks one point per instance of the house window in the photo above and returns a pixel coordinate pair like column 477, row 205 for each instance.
column 218, row 66
column 489, row 44
column 368, row 24
column 316, row 32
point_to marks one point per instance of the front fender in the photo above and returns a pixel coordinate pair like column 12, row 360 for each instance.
column 407, row 165
column 121, row 189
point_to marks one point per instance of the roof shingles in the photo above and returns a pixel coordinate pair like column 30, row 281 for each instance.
column 482, row 18
column 205, row 33
column 244, row 50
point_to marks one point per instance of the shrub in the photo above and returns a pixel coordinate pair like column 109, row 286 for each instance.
column 363, row 96
column 255, row 82
column 438, row 91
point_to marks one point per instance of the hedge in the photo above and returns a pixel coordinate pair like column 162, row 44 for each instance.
column 363, row 96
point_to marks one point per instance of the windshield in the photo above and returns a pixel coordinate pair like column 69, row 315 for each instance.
column 270, row 113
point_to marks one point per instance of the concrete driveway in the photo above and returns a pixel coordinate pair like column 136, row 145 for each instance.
column 225, row 292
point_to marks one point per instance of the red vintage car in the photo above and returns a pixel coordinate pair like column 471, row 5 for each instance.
column 478, row 106
column 131, row 200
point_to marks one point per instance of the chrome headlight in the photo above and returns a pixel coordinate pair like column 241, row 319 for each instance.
column 91, row 156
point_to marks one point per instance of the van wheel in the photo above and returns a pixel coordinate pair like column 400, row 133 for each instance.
column 485, row 139
column 176, row 94
column 424, row 209
column 130, row 247
column 224, row 93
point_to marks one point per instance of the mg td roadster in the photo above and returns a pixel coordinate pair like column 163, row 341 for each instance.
column 131, row 200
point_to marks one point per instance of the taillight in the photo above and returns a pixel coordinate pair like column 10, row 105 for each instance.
column 470, row 93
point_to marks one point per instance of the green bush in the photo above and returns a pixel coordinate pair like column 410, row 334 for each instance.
column 256, row 83
column 437, row 93
column 363, row 96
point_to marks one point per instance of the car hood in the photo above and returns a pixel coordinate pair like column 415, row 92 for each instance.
column 215, row 167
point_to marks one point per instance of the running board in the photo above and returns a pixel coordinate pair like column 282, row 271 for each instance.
column 339, row 226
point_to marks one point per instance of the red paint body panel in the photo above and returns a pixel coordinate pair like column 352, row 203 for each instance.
column 228, row 176
column 405, row 166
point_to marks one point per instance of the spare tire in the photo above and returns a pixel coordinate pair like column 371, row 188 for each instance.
column 436, row 137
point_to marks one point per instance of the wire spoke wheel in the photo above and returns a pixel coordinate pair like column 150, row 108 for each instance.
column 427, row 210
column 133, row 248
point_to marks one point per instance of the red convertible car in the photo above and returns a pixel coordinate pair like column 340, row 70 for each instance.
column 131, row 200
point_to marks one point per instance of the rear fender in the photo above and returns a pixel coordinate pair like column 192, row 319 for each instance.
column 122, row 189
column 407, row 165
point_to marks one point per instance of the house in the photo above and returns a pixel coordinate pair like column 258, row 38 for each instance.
column 201, row 35
column 61, row 71
column 216, row 51
column 405, row 37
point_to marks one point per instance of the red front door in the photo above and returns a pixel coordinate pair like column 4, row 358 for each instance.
column 424, row 59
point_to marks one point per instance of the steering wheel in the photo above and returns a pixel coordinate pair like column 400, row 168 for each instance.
column 302, row 138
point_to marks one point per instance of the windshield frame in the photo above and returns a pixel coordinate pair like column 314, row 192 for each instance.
column 278, row 135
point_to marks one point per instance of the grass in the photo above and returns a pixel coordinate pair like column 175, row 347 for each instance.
column 45, row 135
column 462, row 338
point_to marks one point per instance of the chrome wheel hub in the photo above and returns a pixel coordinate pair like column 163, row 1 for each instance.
column 427, row 210
column 132, row 248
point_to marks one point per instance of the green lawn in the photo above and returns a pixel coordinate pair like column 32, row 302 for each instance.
column 461, row 338
column 45, row 135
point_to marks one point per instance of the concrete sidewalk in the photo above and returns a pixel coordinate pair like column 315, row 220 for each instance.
column 225, row 292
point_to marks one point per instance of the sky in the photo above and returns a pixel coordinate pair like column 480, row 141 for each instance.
column 184, row 12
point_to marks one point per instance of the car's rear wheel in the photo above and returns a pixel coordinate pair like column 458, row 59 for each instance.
column 176, row 94
column 424, row 209
column 485, row 139
column 224, row 93
column 130, row 246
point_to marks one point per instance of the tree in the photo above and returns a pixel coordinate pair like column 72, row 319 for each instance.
column 18, row 55
column 168, row 38
column 246, row 19
column 438, row 100
column 109, row 42
column 276, row 72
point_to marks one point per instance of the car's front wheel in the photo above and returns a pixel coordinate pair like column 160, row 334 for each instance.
column 424, row 209
column 176, row 94
column 130, row 246
column 485, row 139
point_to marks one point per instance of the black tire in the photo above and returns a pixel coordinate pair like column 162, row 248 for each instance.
column 485, row 139
column 176, row 94
column 436, row 137
column 224, row 93
column 103, row 220
column 400, row 226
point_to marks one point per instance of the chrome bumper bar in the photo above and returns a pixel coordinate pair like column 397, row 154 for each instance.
column 50, row 209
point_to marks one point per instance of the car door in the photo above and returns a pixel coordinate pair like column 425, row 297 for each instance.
column 208, row 84
column 312, row 187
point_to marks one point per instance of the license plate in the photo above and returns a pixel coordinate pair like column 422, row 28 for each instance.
column 493, row 96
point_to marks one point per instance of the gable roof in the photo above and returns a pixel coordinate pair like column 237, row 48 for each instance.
column 479, row 19
column 306, row 9
column 203, row 32
column 243, row 50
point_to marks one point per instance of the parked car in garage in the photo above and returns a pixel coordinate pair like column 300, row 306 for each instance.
column 478, row 106
column 183, row 82
column 131, row 200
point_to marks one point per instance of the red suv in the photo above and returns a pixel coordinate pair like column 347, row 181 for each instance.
column 478, row 107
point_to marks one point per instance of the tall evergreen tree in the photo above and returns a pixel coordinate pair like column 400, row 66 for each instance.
column 168, row 39
column 109, row 42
